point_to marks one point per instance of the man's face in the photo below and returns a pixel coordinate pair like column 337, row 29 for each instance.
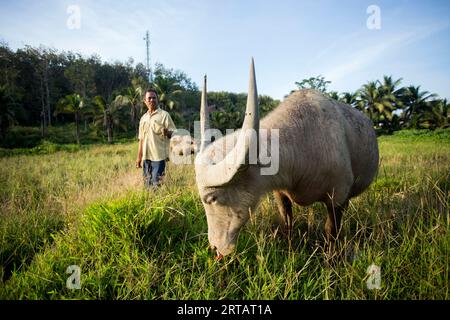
column 151, row 100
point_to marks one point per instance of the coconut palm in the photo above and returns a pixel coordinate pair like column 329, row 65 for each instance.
column 167, row 88
column 433, row 114
column 380, row 99
column 390, row 96
column 369, row 101
column 390, row 86
column 415, row 102
column 108, row 115
column 349, row 98
column 333, row 95
column 72, row 104
column 441, row 112
column 132, row 96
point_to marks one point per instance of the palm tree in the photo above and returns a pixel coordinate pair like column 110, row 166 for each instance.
column 132, row 96
column 390, row 86
column 441, row 112
column 167, row 88
column 415, row 102
column 380, row 100
column 391, row 96
column 333, row 95
column 433, row 114
column 72, row 104
column 108, row 115
column 369, row 101
column 350, row 98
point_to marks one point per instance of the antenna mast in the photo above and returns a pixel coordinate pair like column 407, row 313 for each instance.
column 149, row 70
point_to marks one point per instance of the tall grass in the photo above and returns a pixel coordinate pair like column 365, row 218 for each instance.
column 41, row 194
column 153, row 245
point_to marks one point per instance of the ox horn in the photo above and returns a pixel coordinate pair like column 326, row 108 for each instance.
column 221, row 173
column 251, row 120
column 204, row 118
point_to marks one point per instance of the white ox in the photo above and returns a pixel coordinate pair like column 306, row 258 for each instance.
column 325, row 151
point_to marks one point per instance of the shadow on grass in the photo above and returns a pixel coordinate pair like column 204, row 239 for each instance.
column 22, row 242
column 172, row 230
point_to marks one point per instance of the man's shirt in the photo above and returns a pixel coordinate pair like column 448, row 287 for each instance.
column 155, row 145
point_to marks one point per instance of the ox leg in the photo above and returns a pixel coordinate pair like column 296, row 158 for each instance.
column 285, row 208
column 333, row 222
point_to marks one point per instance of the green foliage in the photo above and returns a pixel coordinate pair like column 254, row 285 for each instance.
column 390, row 106
column 36, row 83
column 45, row 147
column 22, row 238
column 415, row 134
column 168, row 78
column 9, row 109
column 266, row 105
column 318, row 83
column 132, row 97
column 80, row 72
column 41, row 195
column 72, row 104
column 21, row 137
column 108, row 115
column 379, row 100
column 431, row 115
column 227, row 109
column 25, row 140
column 170, row 84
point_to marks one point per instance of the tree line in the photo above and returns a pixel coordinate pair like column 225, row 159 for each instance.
column 41, row 87
column 44, row 87
column 391, row 106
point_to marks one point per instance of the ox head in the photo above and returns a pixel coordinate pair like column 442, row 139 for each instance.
column 223, row 175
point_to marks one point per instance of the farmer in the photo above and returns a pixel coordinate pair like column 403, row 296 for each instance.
column 155, row 130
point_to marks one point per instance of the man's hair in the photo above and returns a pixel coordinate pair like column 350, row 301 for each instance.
column 151, row 90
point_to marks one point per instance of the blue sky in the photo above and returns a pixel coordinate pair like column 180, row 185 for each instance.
column 289, row 40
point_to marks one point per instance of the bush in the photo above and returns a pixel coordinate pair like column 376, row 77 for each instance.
column 438, row 134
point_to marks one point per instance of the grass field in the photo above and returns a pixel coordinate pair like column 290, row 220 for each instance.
column 86, row 207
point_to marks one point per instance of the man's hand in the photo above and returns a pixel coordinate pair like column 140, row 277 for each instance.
column 138, row 163
column 139, row 155
column 167, row 133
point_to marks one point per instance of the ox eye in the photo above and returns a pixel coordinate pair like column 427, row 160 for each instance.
column 211, row 199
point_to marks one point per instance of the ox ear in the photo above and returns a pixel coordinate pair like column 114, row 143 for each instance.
column 204, row 118
column 246, row 149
